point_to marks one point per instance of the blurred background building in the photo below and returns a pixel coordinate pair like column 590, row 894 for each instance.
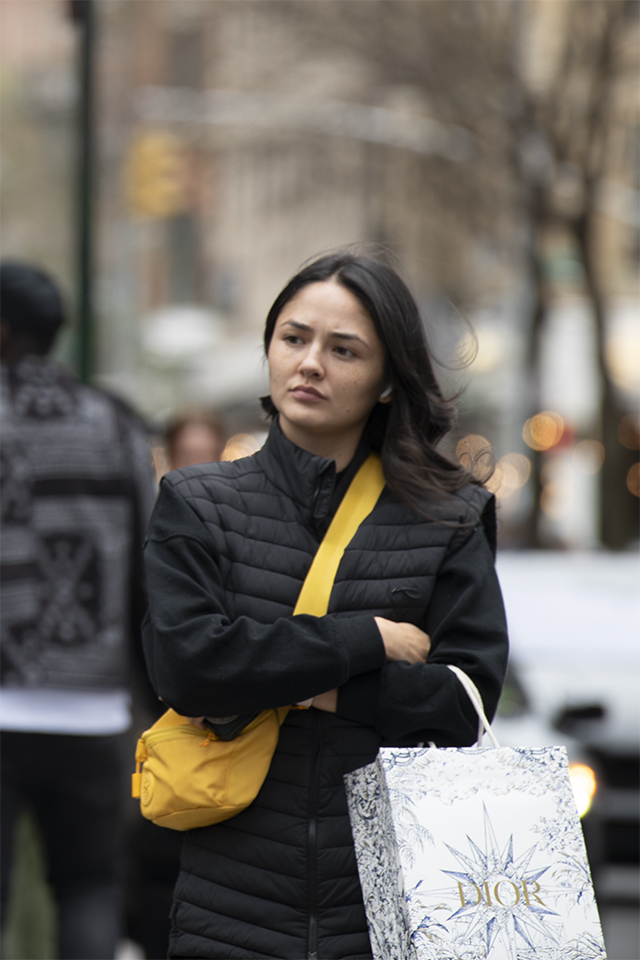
column 492, row 147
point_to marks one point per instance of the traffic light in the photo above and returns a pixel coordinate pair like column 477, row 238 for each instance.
column 156, row 175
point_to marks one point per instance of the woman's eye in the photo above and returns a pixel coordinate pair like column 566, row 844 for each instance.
column 344, row 352
column 291, row 338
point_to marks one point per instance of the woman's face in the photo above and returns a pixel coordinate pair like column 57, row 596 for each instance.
column 326, row 368
column 195, row 443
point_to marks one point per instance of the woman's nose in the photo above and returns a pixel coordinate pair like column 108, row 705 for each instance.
column 311, row 363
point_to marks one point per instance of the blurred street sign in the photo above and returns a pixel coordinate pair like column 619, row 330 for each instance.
column 156, row 175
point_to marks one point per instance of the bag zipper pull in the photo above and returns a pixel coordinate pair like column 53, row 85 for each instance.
column 136, row 778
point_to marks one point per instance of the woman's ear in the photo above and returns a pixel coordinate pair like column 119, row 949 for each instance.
column 386, row 395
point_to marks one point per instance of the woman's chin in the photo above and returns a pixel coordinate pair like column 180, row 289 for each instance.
column 301, row 418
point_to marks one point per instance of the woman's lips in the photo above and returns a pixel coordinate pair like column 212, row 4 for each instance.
column 307, row 393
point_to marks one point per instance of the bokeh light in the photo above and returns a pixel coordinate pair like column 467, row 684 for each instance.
column 583, row 784
column 622, row 355
column 511, row 473
column 544, row 430
column 475, row 454
column 484, row 349
column 240, row 445
column 520, row 463
column 588, row 456
column 633, row 480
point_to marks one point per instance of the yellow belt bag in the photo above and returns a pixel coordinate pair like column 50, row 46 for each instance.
column 186, row 779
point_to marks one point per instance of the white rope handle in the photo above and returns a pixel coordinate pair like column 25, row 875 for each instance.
column 474, row 695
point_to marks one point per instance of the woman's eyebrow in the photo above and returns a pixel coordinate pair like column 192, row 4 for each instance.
column 296, row 324
column 349, row 336
column 339, row 336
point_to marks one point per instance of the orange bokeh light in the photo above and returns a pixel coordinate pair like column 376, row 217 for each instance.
column 240, row 445
column 543, row 431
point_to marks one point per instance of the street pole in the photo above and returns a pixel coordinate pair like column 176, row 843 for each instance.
column 83, row 13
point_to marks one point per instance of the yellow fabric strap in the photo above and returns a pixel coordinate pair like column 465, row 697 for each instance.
column 358, row 502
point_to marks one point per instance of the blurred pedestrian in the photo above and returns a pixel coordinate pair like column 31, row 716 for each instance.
column 153, row 855
column 77, row 490
column 194, row 436
column 228, row 549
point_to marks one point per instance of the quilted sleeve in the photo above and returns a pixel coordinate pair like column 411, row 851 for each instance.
column 201, row 662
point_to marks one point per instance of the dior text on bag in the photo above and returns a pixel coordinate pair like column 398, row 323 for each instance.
column 186, row 778
column 473, row 853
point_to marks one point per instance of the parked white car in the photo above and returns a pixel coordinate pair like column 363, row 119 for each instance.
column 574, row 623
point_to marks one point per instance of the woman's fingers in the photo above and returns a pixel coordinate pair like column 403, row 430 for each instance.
column 404, row 641
column 197, row 722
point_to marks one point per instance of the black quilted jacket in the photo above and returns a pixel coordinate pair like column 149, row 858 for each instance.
column 228, row 549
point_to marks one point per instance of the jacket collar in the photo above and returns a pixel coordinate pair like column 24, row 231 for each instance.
column 307, row 479
column 304, row 477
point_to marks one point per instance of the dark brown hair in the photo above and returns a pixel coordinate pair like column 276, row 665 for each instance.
column 406, row 431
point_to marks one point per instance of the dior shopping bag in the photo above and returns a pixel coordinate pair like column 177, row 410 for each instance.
column 473, row 853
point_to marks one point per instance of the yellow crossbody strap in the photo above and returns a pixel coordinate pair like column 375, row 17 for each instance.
column 357, row 503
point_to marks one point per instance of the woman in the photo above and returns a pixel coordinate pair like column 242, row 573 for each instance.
column 194, row 436
column 228, row 549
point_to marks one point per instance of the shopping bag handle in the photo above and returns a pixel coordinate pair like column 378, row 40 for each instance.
column 474, row 695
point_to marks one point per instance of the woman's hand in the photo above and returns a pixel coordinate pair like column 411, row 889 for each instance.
column 197, row 722
column 403, row 641
column 326, row 701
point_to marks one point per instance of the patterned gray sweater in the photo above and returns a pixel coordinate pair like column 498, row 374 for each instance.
column 77, row 490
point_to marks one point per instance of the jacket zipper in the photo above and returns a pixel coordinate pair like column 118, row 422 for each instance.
column 312, row 839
